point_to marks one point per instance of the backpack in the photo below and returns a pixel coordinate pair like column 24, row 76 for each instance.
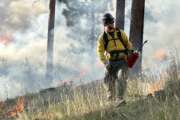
column 106, row 41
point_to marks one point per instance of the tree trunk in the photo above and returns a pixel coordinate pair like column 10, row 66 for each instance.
column 49, row 71
column 120, row 13
column 92, row 36
column 136, row 30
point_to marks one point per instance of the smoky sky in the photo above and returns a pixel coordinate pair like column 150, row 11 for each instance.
column 12, row 20
column 18, row 15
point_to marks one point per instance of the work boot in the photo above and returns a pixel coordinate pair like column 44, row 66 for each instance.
column 110, row 96
column 119, row 102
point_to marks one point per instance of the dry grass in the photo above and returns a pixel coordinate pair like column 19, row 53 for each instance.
column 91, row 105
column 87, row 102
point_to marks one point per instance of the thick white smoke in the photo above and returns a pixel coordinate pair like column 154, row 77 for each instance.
column 161, row 29
column 23, row 59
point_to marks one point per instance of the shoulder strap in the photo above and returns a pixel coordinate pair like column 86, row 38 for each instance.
column 105, row 40
column 120, row 37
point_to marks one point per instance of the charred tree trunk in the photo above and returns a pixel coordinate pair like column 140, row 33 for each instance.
column 50, row 42
column 136, row 30
column 120, row 14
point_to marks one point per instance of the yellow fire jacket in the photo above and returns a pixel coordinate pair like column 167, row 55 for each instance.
column 113, row 44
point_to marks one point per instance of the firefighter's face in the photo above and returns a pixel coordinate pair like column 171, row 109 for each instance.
column 109, row 27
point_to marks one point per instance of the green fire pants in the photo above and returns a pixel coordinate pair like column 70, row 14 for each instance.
column 115, row 84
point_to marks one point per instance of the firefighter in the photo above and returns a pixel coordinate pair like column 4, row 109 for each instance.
column 112, row 49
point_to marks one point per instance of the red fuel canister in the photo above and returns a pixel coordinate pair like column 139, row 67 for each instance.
column 132, row 59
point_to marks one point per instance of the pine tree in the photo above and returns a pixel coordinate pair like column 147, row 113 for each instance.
column 120, row 13
column 136, row 30
column 49, row 72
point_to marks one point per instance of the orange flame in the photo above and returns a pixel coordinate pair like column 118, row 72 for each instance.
column 18, row 108
column 160, row 54
column 155, row 86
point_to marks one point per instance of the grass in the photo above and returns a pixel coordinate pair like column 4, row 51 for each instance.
column 88, row 102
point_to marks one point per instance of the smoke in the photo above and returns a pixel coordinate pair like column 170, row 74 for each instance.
column 162, row 31
column 17, row 15
column 160, row 55
column 23, row 62
column 22, row 46
column 23, row 59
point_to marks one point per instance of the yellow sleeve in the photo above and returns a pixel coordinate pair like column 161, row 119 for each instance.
column 101, row 49
column 126, row 40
